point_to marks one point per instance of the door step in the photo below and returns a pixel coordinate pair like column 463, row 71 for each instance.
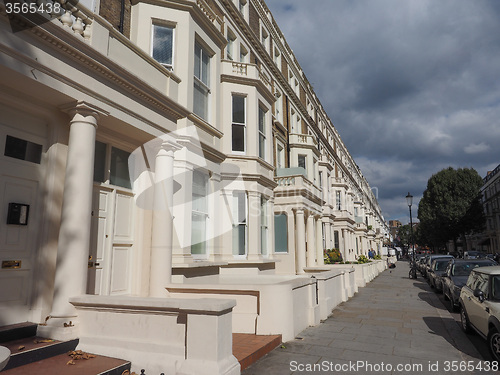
column 249, row 348
column 97, row 365
column 35, row 355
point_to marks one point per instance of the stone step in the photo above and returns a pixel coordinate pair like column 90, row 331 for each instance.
column 17, row 331
column 248, row 348
column 64, row 364
column 35, row 355
column 32, row 349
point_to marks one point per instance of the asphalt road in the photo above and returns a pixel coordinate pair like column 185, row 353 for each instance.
column 480, row 344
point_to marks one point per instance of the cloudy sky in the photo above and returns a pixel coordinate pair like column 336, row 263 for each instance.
column 412, row 86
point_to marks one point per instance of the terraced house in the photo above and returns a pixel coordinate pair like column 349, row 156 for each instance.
column 169, row 177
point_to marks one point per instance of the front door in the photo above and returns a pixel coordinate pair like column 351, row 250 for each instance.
column 21, row 170
column 111, row 242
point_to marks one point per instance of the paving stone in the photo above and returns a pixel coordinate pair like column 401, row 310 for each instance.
column 393, row 320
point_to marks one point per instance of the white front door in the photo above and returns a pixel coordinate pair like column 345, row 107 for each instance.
column 21, row 170
column 111, row 242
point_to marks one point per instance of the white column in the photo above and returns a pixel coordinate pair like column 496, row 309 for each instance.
column 74, row 234
column 328, row 235
column 162, row 227
column 311, row 243
column 301, row 241
column 320, row 258
column 291, row 238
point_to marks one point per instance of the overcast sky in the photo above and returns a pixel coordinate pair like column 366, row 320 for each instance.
column 412, row 86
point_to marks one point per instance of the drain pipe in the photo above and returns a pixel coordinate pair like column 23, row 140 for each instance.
column 122, row 17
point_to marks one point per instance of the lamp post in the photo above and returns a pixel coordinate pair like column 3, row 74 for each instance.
column 409, row 201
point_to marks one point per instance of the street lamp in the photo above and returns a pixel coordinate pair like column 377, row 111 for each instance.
column 409, row 201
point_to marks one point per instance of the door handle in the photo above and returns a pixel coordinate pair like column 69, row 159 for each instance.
column 97, row 264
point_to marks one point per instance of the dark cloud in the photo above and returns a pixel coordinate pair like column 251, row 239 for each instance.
column 412, row 86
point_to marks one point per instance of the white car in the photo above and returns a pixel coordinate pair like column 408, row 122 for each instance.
column 480, row 306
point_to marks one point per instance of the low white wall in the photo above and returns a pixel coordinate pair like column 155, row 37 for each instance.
column 265, row 304
column 169, row 335
column 331, row 291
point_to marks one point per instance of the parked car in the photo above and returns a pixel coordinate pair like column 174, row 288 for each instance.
column 456, row 275
column 471, row 254
column 438, row 266
column 429, row 263
column 480, row 306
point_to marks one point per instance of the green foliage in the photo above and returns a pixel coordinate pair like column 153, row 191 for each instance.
column 377, row 257
column 333, row 256
column 451, row 206
column 363, row 259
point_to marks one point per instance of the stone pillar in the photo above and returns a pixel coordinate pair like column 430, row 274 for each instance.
column 291, row 239
column 311, row 243
column 328, row 235
column 320, row 258
column 301, row 241
column 162, row 227
column 74, row 234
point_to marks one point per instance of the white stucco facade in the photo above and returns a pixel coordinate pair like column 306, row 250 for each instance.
column 198, row 192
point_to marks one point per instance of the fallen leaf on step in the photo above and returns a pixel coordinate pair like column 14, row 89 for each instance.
column 71, row 362
column 43, row 340
column 21, row 347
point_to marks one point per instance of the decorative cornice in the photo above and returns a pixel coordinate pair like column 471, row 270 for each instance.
column 257, row 83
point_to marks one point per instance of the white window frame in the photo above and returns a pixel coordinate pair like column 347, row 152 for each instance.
column 305, row 161
column 231, row 44
column 262, row 132
column 202, row 82
column 264, row 226
column 237, row 223
column 171, row 26
column 203, row 214
column 243, row 54
column 277, row 57
column 244, row 124
column 265, row 38
column 280, row 156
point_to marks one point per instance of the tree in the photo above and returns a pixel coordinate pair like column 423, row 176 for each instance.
column 451, row 206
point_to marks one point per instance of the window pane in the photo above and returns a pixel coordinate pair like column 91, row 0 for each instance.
column 197, row 61
column 280, row 233
column 262, row 146
column 239, row 109
column 239, row 234
column 205, row 66
column 99, row 162
column 262, row 121
column 163, row 44
column 200, row 192
column 119, row 168
column 23, row 150
column 198, row 233
column 238, row 138
column 200, row 101
column 302, row 161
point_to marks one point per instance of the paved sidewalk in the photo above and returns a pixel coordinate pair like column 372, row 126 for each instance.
column 394, row 325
